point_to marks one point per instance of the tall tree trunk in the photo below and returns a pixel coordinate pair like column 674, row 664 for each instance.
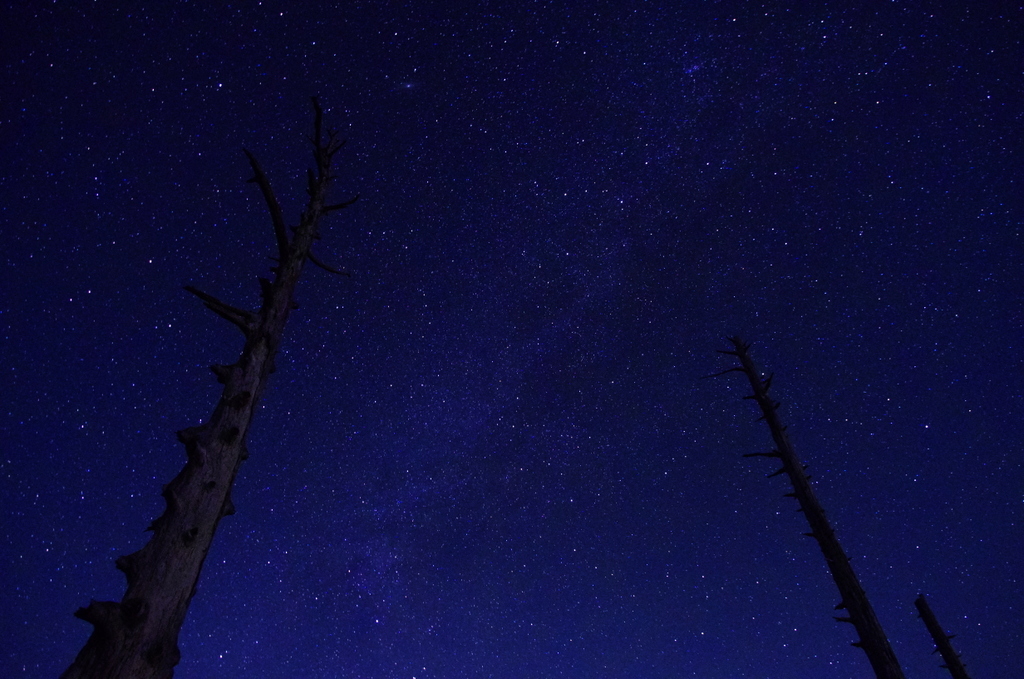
column 942, row 645
column 137, row 638
column 860, row 613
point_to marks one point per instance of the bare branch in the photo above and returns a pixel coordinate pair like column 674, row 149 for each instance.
column 245, row 320
column 333, row 145
column 339, row 206
column 273, row 206
column 313, row 258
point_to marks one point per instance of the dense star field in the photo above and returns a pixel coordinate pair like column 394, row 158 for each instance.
column 490, row 453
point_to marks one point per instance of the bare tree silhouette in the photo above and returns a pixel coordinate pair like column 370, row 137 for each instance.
column 942, row 645
column 854, row 600
column 137, row 638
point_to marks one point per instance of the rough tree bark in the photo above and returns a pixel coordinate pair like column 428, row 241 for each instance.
column 137, row 637
column 942, row 645
column 854, row 600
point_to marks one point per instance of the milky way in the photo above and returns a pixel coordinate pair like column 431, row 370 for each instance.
column 489, row 452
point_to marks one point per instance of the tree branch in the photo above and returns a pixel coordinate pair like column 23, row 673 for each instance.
column 245, row 320
column 313, row 258
column 260, row 178
column 339, row 206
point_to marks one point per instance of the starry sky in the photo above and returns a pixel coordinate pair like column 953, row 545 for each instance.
column 490, row 453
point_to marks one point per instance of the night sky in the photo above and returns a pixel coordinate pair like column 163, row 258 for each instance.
column 490, row 453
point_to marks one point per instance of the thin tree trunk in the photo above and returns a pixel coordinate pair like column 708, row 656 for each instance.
column 942, row 645
column 860, row 613
column 137, row 638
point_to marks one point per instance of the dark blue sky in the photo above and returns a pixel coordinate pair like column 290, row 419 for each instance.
column 489, row 452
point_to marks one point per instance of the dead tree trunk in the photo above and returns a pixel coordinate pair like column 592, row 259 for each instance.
column 942, row 645
column 854, row 600
column 138, row 637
